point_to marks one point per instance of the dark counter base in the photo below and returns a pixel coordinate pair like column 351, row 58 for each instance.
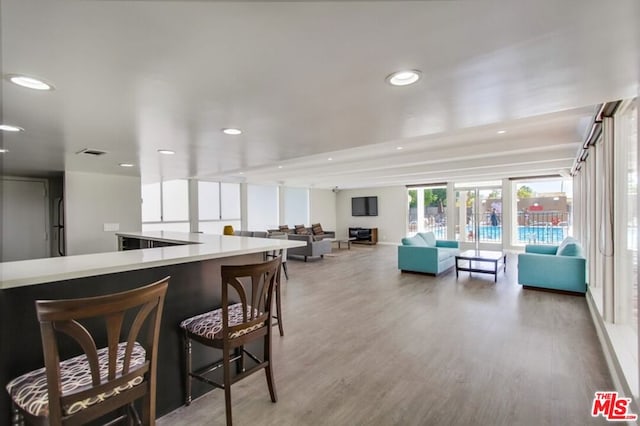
column 194, row 288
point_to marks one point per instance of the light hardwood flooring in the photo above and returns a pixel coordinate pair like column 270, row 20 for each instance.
column 367, row 345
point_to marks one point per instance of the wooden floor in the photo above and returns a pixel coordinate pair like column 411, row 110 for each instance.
column 367, row 345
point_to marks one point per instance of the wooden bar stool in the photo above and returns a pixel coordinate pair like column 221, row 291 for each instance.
column 99, row 381
column 234, row 325
column 283, row 254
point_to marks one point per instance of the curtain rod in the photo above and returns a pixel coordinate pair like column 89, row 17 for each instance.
column 427, row 185
column 535, row 177
column 607, row 109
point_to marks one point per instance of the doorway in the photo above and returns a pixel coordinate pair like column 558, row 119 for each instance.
column 479, row 217
column 25, row 219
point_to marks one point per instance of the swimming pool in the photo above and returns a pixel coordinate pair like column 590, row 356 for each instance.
column 545, row 234
column 530, row 234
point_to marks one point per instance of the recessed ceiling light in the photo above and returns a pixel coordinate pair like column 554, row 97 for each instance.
column 126, row 165
column 241, row 173
column 329, row 159
column 166, row 151
column 279, row 167
column 403, row 78
column 10, row 128
column 2, row 150
column 29, row 82
column 231, row 131
column 502, row 132
column 399, row 148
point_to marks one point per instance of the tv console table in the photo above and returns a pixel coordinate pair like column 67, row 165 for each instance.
column 364, row 235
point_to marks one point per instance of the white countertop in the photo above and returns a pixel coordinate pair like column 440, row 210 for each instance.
column 172, row 237
column 197, row 247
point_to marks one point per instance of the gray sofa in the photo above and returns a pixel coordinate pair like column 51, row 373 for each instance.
column 257, row 234
column 312, row 249
column 308, row 230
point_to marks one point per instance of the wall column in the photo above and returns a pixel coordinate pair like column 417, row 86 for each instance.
column 451, row 211
column 508, row 214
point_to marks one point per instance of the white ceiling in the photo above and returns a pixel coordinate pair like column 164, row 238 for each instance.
column 306, row 82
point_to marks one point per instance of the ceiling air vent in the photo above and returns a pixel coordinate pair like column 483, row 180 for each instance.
column 88, row 151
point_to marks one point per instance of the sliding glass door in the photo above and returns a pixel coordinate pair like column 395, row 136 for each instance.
column 479, row 216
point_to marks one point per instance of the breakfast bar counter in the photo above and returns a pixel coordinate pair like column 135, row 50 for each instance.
column 188, row 247
column 192, row 260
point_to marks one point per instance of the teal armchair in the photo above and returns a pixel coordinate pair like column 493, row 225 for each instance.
column 560, row 267
column 423, row 253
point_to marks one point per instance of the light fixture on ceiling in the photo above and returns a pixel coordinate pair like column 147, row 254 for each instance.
column 2, row 150
column 404, row 78
column 279, row 167
column 10, row 128
column 231, row 131
column 399, row 148
column 329, row 159
column 501, row 132
column 29, row 82
column 556, row 198
column 126, row 165
column 166, row 152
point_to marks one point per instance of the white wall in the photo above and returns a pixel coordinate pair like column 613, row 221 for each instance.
column 93, row 199
column 322, row 209
column 392, row 212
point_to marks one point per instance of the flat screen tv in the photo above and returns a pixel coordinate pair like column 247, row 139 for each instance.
column 364, row 206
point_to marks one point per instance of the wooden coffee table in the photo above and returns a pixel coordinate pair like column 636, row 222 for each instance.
column 341, row 241
column 482, row 261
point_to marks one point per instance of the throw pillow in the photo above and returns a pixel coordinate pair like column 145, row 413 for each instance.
column 413, row 241
column 316, row 228
column 428, row 238
column 301, row 230
column 570, row 249
column 564, row 243
column 285, row 229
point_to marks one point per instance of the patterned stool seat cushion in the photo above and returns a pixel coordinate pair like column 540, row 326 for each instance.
column 29, row 391
column 209, row 324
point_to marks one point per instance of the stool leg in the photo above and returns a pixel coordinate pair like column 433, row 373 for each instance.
column 187, row 360
column 279, row 309
column 132, row 415
column 268, row 370
column 239, row 352
column 226, row 362
column 284, row 268
column 16, row 418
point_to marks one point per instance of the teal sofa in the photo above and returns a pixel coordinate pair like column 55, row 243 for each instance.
column 423, row 253
column 561, row 267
